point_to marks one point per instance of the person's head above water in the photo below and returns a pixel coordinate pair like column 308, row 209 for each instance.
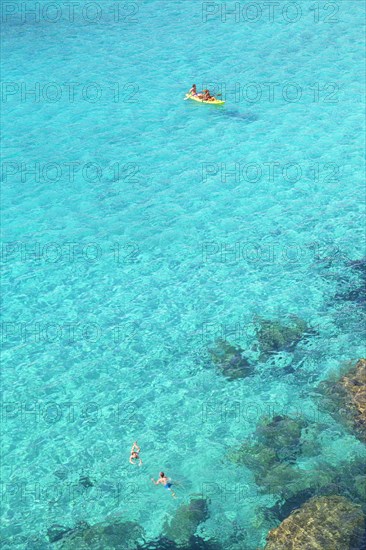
column 162, row 474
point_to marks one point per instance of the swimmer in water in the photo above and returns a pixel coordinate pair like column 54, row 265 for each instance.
column 134, row 455
column 166, row 482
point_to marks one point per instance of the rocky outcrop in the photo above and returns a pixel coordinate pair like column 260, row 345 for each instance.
column 353, row 284
column 275, row 336
column 272, row 455
column 276, row 440
column 195, row 543
column 229, row 360
column 185, row 521
column 57, row 532
column 282, row 434
column 322, row 523
column 345, row 398
column 355, row 385
column 109, row 536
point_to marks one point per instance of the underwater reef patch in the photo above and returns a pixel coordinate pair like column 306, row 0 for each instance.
column 276, row 336
column 195, row 543
column 247, row 118
column 109, row 536
column 185, row 521
column 229, row 360
column 353, row 285
column 276, row 441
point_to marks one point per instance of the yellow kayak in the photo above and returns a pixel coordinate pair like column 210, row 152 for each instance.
column 214, row 102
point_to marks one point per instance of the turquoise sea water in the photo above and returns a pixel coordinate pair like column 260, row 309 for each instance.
column 131, row 243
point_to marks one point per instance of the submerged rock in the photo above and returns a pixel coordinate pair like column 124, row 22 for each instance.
column 245, row 117
column 61, row 473
column 86, row 482
column 356, row 295
column 272, row 476
column 282, row 509
column 347, row 479
column 272, row 456
column 275, row 336
column 116, row 536
column 185, row 521
column 57, row 532
column 322, row 523
column 230, row 361
column 359, row 265
column 354, row 290
column 346, row 398
column 276, row 440
column 255, row 456
column 280, row 480
column 195, row 543
column 355, row 385
column 283, row 434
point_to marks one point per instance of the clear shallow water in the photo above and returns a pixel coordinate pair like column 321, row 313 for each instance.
column 146, row 255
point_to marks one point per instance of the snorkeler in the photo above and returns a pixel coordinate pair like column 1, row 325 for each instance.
column 134, row 455
column 166, row 482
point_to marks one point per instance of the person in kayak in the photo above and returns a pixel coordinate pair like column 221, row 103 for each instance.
column 193, row 91
column 207, row 96
column 134, row 455
column 163, row 479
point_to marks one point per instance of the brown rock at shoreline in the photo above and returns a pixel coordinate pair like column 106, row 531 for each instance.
column 347, row 398
column 322, row 523
column 355, row 384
